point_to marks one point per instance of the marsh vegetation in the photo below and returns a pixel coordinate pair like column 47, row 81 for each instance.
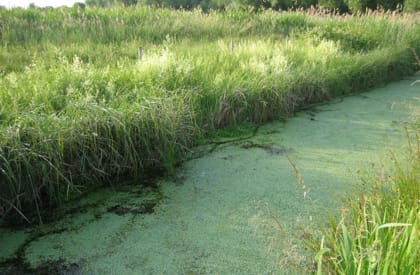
column 79, row 108
column 82, row 106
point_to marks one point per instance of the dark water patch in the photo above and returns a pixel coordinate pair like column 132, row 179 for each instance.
column 67, row 212
column 269, row 148
column 279, row 151
column 314, row 110
column 144, row 208
column 75, row 207
column 270, row 132
column 226, row 136
column 18, row 267
column 53, row 211
column 120, row 199
column 179, row 178
column 137, row 200
column 311, row 114
column 228, row 157
column 136, row 190
column 199, row 151
column 231, row 140
column 363, row 96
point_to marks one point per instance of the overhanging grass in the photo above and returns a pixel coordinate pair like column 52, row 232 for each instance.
column 69, row 121
column 379, row 232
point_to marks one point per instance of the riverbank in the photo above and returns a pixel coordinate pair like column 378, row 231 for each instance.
column 86, row 107
column 239, row 208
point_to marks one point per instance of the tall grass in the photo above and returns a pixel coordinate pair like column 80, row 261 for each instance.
column 117, row 25
column 379, row 232
column 80, row 110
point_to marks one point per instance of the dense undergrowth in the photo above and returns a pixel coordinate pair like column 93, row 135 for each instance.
column 78, row 108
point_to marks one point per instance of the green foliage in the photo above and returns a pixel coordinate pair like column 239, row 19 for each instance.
column 354, row 39
column 342, row 6
column 357, row 5
column 379, row 232
column 78, row 5
column 101, row 3
column 79, row 109
column 129, row 2
column 388, row 4
column 304, row 3
column 339, row 5
column 411, row 5
column 362, row 5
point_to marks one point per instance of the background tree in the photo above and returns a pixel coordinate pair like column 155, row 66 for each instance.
column 352, row 6
column 79, row 5
column 411, row 5
column 101, row 3
column 129, row 2
column 333, row 5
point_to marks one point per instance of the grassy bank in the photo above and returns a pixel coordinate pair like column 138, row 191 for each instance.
column 78, row 109
column 378, row 232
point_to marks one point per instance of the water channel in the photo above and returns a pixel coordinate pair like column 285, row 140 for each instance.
column 242, row 207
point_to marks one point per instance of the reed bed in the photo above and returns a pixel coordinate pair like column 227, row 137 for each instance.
column 78, row 108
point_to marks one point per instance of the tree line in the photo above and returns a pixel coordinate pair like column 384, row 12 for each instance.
column 341, row 6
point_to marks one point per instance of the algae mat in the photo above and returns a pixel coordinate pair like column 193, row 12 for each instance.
column 238, row 209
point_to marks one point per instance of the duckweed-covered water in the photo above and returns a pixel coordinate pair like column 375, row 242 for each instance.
column 242, row 208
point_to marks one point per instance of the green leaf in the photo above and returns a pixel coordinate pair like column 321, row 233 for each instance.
column 387, row 225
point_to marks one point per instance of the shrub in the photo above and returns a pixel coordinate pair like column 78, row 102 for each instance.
column 333, row 5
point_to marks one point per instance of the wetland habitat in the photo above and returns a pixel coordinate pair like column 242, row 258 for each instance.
column 224, row 147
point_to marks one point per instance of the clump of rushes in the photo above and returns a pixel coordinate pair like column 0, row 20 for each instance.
column 379, row 232
column 81, row 110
